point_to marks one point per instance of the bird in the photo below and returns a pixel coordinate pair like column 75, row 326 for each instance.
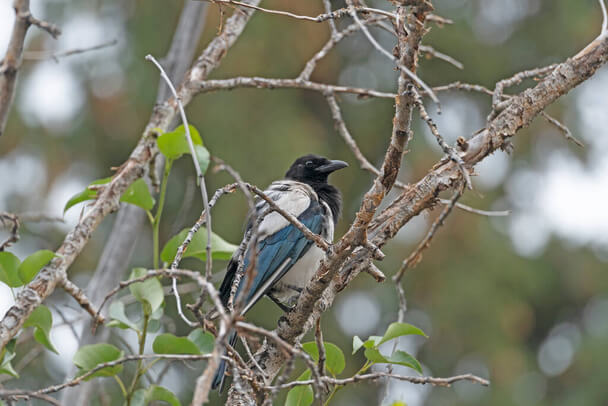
column 286, row 260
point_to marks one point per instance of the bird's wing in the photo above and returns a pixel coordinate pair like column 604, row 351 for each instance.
column 281, row 244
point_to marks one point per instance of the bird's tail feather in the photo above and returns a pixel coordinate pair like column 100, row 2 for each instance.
column 220, row 374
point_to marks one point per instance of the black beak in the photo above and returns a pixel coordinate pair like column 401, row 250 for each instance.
column 332, row 166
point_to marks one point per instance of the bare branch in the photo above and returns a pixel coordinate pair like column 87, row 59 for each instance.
column 82, row 299
column 14, row 55
column 416, row 255
column 420, row 380
column 447, row 149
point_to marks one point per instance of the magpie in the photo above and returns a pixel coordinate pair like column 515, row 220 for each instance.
column 286, row 259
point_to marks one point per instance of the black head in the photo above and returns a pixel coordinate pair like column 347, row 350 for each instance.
column 313, row 169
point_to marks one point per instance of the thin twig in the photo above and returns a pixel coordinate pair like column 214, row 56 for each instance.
column 420, row 380
column 82, row 299
column 440, row 55
column 499, row 213
column 40, row 55
column 383, row 51
column 416, row 255
column 447, row 149
column 318, row 19
column 199, row 176
column 563, row 129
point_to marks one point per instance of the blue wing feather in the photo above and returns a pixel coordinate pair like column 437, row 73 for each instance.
column 288, row 244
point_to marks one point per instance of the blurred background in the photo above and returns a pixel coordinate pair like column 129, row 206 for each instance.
column 521, row 300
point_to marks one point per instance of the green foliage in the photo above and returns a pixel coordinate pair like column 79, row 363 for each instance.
column 42, row 321
column 167, row 343
column 143, row 397
column 300, row 395
column 9, row 269
column 7, row 354
column 90, row 356
column 149, row 292
column 119, row 317
column 175, row 144
column 33, row 264
column 137, row 193
column 334, row 357
column 16, row 273
column 87, row 194
column 394, row 330
column 220, row 249
column 204, row 340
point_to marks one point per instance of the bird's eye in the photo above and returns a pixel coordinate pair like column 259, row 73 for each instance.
column 309, row 164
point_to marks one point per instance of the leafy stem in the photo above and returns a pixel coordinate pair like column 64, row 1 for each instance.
column 142, row 344
column 159, row 212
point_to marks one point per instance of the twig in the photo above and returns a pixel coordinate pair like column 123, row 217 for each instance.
column 40, row 55
column 447, row 149
column 317, row 239
column 82, row 299
column 9, row 221
column 563, row 129
column 320, row 347
column 512, row 81
column 20, row 393
column 502, row 213
column 269, row 83
column 604, row 18
column 383, row 51
column 420, row 380
column 439, row 55
column 200, row 179
column 318, row 19
column 416, row 255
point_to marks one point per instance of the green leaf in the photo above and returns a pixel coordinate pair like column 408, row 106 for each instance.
column 9, row 269
column 175, row 143
column 167, row 343
column 33, row 264
column 89, row 356
column 86, row 194
column 119, row 316
column 395, row 330
column 220, row 249
column 357, row 343
column 300, row 395
column 149, row 291
column 203, row 340
column 44, row 339
column 403, row 358
column 159, row 393
column 139, row 195
column 334, row 357
column 42, row 320
column 203, row 157
column 398, row 358
column 6, row 356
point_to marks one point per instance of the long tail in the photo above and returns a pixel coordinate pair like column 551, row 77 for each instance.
column 220, row 374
